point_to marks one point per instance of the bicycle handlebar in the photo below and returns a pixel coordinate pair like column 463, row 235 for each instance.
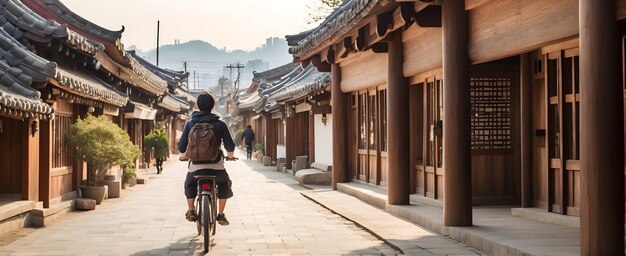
column 183, row 158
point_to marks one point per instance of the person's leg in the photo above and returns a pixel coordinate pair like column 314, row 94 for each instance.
column 190, row 193
column 222, row 205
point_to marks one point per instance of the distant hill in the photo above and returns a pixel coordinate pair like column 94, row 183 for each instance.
column 208, row 61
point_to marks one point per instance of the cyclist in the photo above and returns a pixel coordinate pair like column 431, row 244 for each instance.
column 205, row 104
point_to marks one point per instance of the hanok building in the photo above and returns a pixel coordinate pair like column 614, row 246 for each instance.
column 251, row 107
column 62, row 70
column 490, row 102
column 290, row 107
column 175, row 104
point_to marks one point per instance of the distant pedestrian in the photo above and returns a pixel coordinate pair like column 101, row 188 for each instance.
column 248, row 138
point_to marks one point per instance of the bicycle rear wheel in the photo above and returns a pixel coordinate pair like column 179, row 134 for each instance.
column 206, row 222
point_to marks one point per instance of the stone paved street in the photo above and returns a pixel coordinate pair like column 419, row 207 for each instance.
column 268, row 216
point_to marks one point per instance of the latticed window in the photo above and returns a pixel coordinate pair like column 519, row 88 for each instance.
column 491, row 112
column 62, row 154
column 383, row 120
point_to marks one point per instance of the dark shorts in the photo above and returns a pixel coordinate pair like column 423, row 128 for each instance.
column 222, row 179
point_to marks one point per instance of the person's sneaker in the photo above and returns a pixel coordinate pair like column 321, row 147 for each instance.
column 221, row 219
column 191, row 215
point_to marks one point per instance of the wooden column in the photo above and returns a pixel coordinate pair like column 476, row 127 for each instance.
column 457, row 201
column 311, row 137
column 30, row 156
column 601, row 131
column 397, row 123
column 45, row 162
column 270, row 137
column 526, row 129
column 340, row 106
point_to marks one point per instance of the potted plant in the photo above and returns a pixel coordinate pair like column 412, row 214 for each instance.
column 102, row 145
column 129, row 176
column 157, row 143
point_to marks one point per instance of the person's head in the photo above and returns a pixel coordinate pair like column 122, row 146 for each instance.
column 206, row 102
column 249, row 126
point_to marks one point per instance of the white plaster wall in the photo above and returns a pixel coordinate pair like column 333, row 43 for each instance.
column 324, row 139
column 281, row 151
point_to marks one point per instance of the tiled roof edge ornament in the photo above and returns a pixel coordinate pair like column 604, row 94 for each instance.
column 142, row 72
column 24, row 65
column 16, row 15
column 17, row 106
column 83, row 23
column 174, row 78
column 342, row 19
column 87, row 87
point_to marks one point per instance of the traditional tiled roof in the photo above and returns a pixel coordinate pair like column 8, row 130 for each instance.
column 90, row 87
column 266, row 90
column 173, row 103
column 61, row 10
column 146, row 75
column 174, row 79
column 310, row 81
column 275, row 73
column 19, row 21
column 19, row 68
column 339, row 22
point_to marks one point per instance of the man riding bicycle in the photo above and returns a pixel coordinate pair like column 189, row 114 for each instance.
column 205, row 104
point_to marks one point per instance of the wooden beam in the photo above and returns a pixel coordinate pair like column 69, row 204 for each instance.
column 384, row 22
column 526, row 129
column 429, row 17
column 361, row 39
column 319, row 64
column 380, row 47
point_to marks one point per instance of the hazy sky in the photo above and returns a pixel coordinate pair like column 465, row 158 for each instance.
column 235, row 24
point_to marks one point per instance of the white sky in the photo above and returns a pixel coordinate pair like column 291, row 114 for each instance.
column 235, row 24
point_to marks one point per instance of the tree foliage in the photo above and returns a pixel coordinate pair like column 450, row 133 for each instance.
column 319, row 9
column 158, row 142
column 102, row 144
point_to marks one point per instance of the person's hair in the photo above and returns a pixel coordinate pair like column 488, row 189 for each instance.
column 249, row 126
column 206, row 102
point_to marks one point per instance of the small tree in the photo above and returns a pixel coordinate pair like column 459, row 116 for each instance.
column 238, row 136
column 102, row 144
column 158, row 142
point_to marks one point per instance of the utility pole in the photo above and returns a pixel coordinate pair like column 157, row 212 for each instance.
column 238, row 67
column 194, row 79
column 185, row 66
column 157, row 50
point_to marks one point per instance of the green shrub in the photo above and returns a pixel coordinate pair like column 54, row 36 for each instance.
column 102, row 144
column 129, row 171
column 158, row 142
column 259, row 147
column 238, row 136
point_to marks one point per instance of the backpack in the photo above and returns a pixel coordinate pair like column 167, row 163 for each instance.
column 203, row 145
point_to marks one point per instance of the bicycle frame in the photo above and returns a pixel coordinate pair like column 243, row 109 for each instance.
column 206, row 207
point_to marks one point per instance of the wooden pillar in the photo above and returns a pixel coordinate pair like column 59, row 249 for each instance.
column 30, row 156
column 311, row 137
column 45, row 162
column 457, row 201
column 340, row 106
column 270, row 137
column 601, row 131
column 526, row 129
column 397, row 123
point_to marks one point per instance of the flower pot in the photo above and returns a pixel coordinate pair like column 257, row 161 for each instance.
column 131, row 181
column 95, row 193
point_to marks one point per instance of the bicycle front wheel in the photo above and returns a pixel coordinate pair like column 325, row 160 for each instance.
column 206, row 222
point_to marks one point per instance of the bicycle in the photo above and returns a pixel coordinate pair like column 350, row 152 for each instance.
column 206, row 206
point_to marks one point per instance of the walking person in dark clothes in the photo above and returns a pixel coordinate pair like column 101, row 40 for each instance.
column 248, row 138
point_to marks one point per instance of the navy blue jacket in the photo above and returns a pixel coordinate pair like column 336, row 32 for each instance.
column 220, row 129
